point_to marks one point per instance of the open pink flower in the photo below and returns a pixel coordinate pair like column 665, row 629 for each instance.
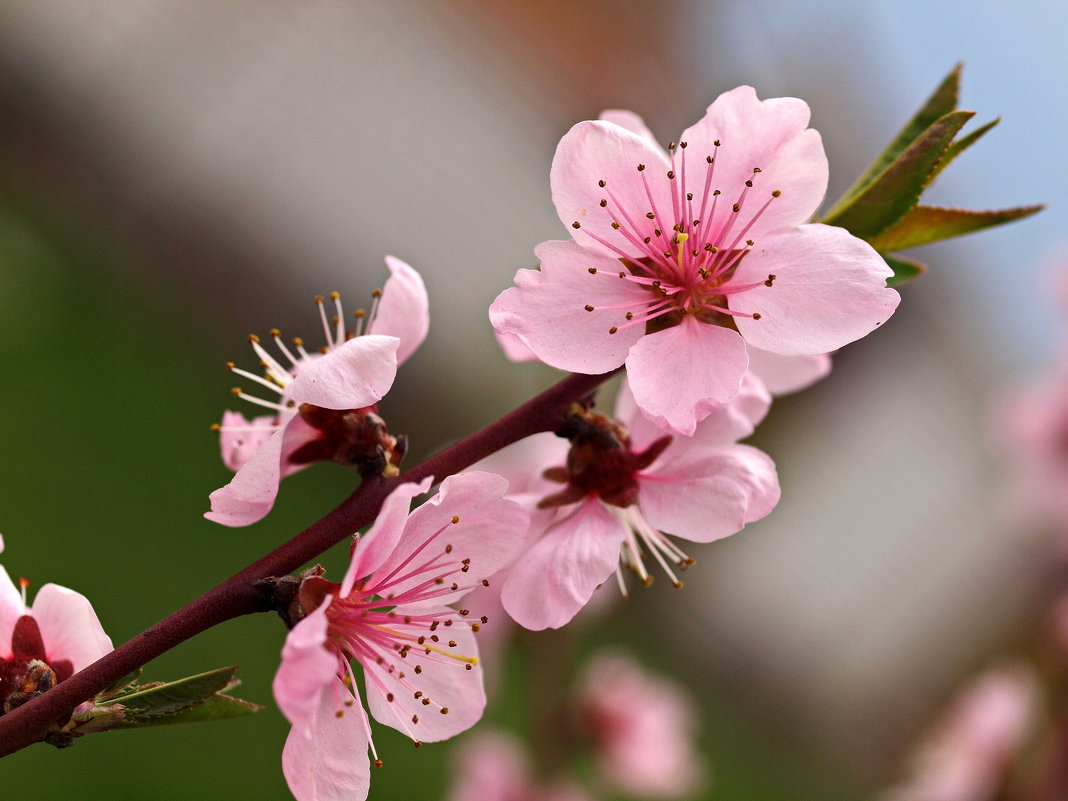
column 46, row 643
column 642, row 727
column 390, row 615
column 626, row 484
column 679, row 260
column 325, row 402
column 493, row 766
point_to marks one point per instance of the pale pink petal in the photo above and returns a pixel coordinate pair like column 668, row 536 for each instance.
column 252, row 491
column 644, row 749
column 599, row 151
column 307, row 668
column 69, row 626
column 829, row 289
column 557, row 576
column 547, row 309
column 682, row 374
column 329, row 762
column 522, row 463
column 442, row 679
column 489, row 532
column 715, row 497
column 403, row 309
column 490, row 766
column 515, row 348
column 11, row 609
column 1, row 543
column 381, row 539
column 351, row 376
column 629, row 120
column 767, row 134
column 785, row 374
column 735, row 421
column 238, row 446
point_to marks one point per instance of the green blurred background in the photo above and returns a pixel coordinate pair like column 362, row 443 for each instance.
column 174, row 177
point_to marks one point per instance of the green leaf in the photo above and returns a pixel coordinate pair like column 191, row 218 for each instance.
column 894, row 191
column 905, row 270
column 117, row 686
column 215, row 707
column 926, row 224
column 943, row 101
column 166, row 698
column 961, row 145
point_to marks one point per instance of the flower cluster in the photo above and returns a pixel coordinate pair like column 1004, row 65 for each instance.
column 697, row 269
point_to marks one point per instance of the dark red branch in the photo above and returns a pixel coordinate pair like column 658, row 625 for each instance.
column 238, row 595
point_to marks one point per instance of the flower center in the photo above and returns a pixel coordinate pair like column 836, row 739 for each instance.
column 688, row 254
column 600, row 461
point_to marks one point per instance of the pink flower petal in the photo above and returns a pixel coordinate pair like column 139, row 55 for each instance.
column 630, row 121
column 785, row 374
column 307, row 668
column 682, row 374
column 380, row 541
column 715, row 497
column 490, row 766
column 735, row 421
column 514, row 348
column 547, row 309
column 441, row 679
column 489, row 532
column 599, row 151
column 354, row 375
column 557, row 576
column 403, row 310
column 328, row 762
column 239, row 446
column 829, row 289
column 11, row 609
column 770, row 135
column 251, row 492
column 69, row 626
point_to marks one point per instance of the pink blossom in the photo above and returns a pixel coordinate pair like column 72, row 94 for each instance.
column 389, row 614
column 1031, row 426
column 966, row 759
column 676, row 276
column 625, row 485
column 354, row 371
column 46, row 643
column 642, row 727
column 493, row 766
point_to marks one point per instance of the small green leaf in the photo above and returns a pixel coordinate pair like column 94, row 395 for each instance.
column 943, row 101
column 926, row 224
column 117, row 686
column 961, row 145
column 892, row 193
column 215, row 707
column 164, row 698
column 905, row 270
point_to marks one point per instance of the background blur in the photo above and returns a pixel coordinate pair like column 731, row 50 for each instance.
column 177, row 175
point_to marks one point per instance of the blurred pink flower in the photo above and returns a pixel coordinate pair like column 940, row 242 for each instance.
column 626, row 484
column 675, row 276
column 1031, row 428
column 60, row 630
column 967, row 757
column 353, row 373
column 389, row 614
column 493, row 766
column 642, row 727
